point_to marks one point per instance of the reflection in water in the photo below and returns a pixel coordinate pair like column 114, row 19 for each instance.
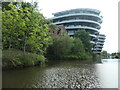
column 64, row 74
column 108, row 74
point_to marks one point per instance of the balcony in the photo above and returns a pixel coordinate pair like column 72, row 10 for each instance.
column 92, row 42
column 80, row 27
column 92, row 35
column 97, row 46
column 100, row 43
column 97, row 52
column 102, row 40
column 72, row 21
column 98, row 49
column 102, row 37
column 78, row 14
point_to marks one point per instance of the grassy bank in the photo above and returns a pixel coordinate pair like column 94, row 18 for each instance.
column 15, row 58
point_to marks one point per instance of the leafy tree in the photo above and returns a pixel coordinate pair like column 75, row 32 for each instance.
column 85, row 38
column 25, row 29
column 118, row 54
column 61, row 47
column 104, row 54
column 78, row 47
column 5, row 5
column 9, row 21
column 113, row 54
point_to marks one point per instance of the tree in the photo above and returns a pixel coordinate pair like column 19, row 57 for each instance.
column 5, row 5
column 113, row 54
column 85, row 38
column 61, row 47
column 25, row 29
column 78, row 47
column 118, row 54
column 104, row 54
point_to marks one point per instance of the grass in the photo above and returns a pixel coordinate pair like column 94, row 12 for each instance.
column 16, row 58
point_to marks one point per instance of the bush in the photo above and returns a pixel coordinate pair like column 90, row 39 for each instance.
column 14, row 58
column 61, row 46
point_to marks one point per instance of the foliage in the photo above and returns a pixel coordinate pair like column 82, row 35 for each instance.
column 25, row 28
column 78, row 47
column 77, row 50
column 5, row 5
column 65, row 47
column 61, row 46
column 116, row 55
column 25, row 35
column 96, row 57
column 104, row 54
column 85, row 38
column 14, row 58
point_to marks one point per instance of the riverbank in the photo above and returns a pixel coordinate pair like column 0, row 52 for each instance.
column 15, row 59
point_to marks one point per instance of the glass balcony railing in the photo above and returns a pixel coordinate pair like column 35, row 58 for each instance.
column 92, row 42
column 99, row 46
column 100, row 43
column 77, row 15
column 102, row 40
column 74, row 12
column 103, row 37
column 71, row 21
column 92, row 35
column 80, row 27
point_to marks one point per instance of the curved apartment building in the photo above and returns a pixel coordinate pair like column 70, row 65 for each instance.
column 99, row 45
column 80, row 19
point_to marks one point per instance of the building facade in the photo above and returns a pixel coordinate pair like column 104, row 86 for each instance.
column 99, row 45
column 82, row 19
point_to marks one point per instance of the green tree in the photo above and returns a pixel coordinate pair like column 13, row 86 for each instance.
column 85, row 38
column 104, row 54
column 118, row 54
column 78, row 48
column 113, row 54
column 5, row 5
column 25, row 29
column 60, row 48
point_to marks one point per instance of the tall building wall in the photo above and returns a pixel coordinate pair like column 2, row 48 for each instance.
column 80, row 19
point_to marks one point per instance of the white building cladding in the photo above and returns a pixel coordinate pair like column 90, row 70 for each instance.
column 81, row 19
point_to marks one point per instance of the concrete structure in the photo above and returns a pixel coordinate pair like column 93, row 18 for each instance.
column 81, row 19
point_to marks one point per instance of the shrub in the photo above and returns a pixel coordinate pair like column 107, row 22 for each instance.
column 13, row 58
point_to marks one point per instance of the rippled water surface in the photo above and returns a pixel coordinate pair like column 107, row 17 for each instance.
column 64, row 74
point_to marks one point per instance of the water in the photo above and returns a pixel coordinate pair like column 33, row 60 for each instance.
column 64, row 74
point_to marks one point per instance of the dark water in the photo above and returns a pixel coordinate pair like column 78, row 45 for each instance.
column 64, row 74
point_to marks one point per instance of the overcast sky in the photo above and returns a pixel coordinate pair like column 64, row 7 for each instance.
column 108, row 8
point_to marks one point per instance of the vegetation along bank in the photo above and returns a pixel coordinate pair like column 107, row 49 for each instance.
column 29, row 39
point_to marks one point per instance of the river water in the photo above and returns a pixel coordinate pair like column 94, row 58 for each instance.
column 64, row 74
